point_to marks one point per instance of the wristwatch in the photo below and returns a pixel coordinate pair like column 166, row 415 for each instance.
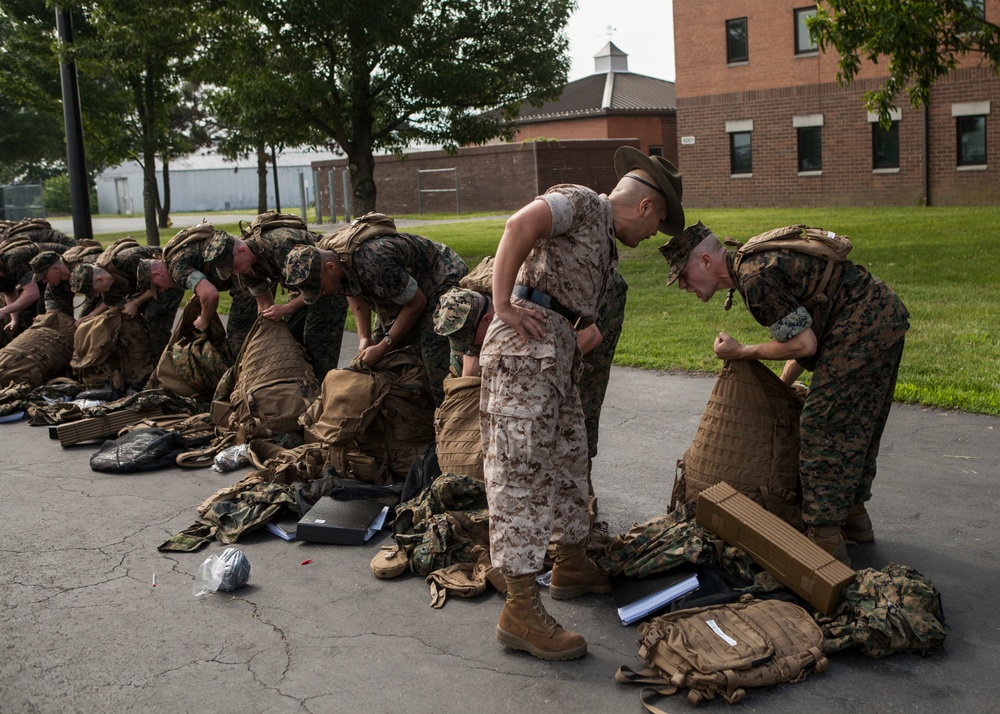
column 388, row 339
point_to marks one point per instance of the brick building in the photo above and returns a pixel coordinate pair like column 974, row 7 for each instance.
column 569, row 140
column 761, row 120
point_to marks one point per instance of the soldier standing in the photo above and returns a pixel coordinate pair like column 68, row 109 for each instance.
column 258, row 260
column 849, row 334
column 555, row 262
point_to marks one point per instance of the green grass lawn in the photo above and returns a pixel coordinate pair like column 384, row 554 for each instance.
column 943, row 262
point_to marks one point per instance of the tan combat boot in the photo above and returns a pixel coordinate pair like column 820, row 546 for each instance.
column 830, row 539
column 858, row 526
column 574, row 574
column 525, row 625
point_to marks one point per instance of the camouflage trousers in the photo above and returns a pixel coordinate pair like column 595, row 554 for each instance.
column 242, row 315
column 534, row 459
column 320, row 329
column 597, row 363
column 161, row 313
column 841, row 429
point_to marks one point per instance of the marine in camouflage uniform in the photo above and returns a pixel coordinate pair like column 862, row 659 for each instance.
column 16, row 274
column 54, row 270
column 212, row 260
column 458, row 316
column 319, row 327
column 159, row 311
column 386, row 274
column 555, row 263
column 859, row 329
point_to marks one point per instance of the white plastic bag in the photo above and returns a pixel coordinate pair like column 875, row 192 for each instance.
column 226, row 572
column 231, row 458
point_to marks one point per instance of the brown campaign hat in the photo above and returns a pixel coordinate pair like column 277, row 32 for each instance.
column 668, row 180
column 678, row 250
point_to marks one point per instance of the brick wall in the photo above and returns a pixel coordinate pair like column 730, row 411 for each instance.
column 847, row 177
column 498, row 177
column 649, row 130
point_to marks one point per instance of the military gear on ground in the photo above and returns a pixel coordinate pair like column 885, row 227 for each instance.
column 112, row 348
column 526, row 625
column 465, row 579
column 273, row 383
column 893, row 610
column 192, row 363
column 391, row 561
column 374, row 421
column 749, row 438
column 39, row 353
column 456, row 428
column 139, row 450
column 726, row 649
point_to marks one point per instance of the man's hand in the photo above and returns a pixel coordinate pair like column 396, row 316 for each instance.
column 15, row 319
column 364, row 343
column 727, row 347
column 373, row 354
column 588, row 338
column 524, row 320
column 131, row 308
column 276, row 312
column 81, row 320
column 201, row 323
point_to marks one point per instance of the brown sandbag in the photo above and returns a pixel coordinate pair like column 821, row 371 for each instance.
column 39, row 353
column 456, row 428
column 749, row 438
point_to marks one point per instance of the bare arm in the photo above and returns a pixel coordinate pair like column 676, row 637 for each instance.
column 209, row 297
column 363, row 319
column 404, row 322
column 803, row 344
column 29, row 295
column 522, row 232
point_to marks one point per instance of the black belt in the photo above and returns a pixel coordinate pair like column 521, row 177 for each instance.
column 549, row 302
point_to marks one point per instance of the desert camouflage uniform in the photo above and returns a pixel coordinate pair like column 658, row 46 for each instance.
column 860, row 329
column 188, row 267
column 318, row 327
column 160, row 312
column 388, row 271
column 534, row 436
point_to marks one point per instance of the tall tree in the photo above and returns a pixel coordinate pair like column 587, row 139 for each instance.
column 923, row 40
column 386, row 75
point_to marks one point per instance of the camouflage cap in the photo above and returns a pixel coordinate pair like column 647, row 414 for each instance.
column 144, row 277
column 302, row 271
column 81, row 279
column 678, row 250
column 41, row 263
column 218, row 252
column 457, row 309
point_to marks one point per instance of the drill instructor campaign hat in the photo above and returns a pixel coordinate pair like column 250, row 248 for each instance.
column 668, row 180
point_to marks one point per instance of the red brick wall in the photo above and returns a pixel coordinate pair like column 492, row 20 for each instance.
column 498, row 177
column 847, row 178
column 649, row 130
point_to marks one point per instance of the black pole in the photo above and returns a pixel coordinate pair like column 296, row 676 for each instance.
column 75, row 159
column 274, row 166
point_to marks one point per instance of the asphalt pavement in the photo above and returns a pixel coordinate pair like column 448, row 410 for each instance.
column 95, row 619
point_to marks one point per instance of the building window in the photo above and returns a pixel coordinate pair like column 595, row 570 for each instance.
column 737, row 48
column 740, row 153
column 971, row 140
column 656, row 151
column 803, row 42
column 975, row 18
column 810, row 148
column 885, row 146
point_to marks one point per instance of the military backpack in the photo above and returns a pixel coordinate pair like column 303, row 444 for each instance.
column 268, row 221
column 122, row 244
column 27, row 225
column 724, row 650
column 186, row 236
column 86, row 251
column 799, row 238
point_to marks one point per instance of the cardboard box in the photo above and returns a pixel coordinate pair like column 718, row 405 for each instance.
column 788, row 555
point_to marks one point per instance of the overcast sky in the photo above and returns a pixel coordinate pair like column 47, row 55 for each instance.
column 643, row 29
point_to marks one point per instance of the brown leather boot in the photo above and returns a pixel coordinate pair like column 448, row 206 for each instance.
column 525, row 625
column 574, row 574
column 830, row 539
column 858, row 526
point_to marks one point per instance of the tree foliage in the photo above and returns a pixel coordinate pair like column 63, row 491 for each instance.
column 921, row 40
column 387, row 75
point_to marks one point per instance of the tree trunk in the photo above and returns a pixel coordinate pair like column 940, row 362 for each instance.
column 364, row 193
column 274, row 168
column 261, row 179
column 149, row 198
column 163, row 209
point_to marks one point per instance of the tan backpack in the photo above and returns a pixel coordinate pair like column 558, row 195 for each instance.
column 39, row 353
column 724, row 650
column 345, row 241
column 192, row 234
column 480, row 278
column 122, row 244
column 456, row 428
column 271, row 219
column 27, row 225
column 192, row 363
column 374, row 421
column 112, row 348
column 801, row 239
column 748, row 437
column 273, row 384
column 86, row 251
